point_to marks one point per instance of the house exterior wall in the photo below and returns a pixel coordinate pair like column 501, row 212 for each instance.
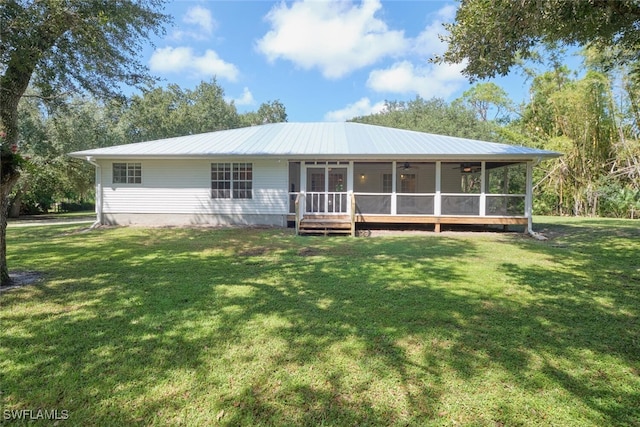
column 178, row 192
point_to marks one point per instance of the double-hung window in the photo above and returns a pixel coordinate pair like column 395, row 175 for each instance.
column 231, row 180
column 127, row 173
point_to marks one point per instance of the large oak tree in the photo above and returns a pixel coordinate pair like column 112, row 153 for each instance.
column 492, row 35
column 65, row 46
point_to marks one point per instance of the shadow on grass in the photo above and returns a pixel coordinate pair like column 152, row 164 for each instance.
column 162, row 326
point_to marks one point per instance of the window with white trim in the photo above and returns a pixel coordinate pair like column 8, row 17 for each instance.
column 127, row 173
column 231, row 180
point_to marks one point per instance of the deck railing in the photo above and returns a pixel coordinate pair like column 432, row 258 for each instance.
column 326, row 202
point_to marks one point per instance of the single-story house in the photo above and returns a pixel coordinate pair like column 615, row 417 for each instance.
column 316, row 177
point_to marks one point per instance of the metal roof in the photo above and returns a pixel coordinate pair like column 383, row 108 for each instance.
column 317, row 140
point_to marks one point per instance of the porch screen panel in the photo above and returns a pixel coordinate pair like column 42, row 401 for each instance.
column 506, row 178
column 461, row 178
column 378, row 204
column 460, row 205
column 505, row 205
column 505, row 185
column 294, row 184
column 416, row 177
column 372, row 177
column 418, row 205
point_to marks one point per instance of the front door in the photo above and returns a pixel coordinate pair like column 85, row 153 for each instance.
column 337, row 192
column 326, row 189
column 316, row 190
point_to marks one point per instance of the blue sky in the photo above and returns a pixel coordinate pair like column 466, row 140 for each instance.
column 325, row 61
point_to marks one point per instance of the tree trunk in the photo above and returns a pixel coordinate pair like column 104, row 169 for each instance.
column 16, row 205
column 9, row 179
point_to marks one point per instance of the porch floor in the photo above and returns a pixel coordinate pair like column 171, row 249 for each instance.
column 325, row 221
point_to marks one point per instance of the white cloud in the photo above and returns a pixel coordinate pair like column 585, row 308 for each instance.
column 428, row 81
column 200, row 17
column 183, row 59
column 362, row 107
column 428, row 42
column 336, row 37
column 245, row 99
column 200, row 24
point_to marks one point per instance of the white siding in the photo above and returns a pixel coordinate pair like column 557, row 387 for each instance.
column 184, row 187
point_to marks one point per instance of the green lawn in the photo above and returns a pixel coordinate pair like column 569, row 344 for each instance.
column 259, row 327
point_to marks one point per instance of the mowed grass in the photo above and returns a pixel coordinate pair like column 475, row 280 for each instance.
column 151, row 326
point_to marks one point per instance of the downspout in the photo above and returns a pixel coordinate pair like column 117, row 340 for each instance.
column 98, row 192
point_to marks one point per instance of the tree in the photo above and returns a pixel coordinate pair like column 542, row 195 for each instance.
column 268, row 112
column 574, row 117
column 432, row 116
column 493, row 35
column 484, row 97
column 65, row 45
column 172, row 111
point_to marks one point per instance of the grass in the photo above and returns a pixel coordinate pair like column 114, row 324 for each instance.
column 135, row 326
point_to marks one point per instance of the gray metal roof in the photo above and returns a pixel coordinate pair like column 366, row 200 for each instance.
column 318, row 140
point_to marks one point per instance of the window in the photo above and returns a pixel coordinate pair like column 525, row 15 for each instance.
column 127, row 173
column 242, row 180
column 220, row 180
column 231, row 180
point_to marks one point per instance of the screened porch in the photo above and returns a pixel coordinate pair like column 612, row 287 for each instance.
column 411, row 188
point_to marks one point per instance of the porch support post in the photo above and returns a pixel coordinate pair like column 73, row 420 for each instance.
column 303, row 188
column 483, row 194
column 528, row 199
column 349, row 185
column 393, row 187
column 437, row 203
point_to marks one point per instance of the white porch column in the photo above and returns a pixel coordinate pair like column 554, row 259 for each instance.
column 303, row 189
column 528, row 199
column 349, row 185
column 393, row 188
column 483, row 194
column 437, row 202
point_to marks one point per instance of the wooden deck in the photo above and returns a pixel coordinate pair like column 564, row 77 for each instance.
column 324, row 223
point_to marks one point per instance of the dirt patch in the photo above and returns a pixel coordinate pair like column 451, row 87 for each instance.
column 253, row 252
column 308, row 252
column 22, row 278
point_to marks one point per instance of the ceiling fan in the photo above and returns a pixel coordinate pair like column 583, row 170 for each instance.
column 469, row 167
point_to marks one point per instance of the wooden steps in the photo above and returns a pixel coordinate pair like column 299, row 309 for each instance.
column 325, row 224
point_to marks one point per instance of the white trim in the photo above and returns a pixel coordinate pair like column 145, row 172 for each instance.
column 394, row 183
column 437, row 203
column 483, row 195
column 528, row 200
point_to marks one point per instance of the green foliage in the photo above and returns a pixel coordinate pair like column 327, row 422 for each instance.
column 486, row 97
column 64, row 45
column 577, row 118
column 49, row 132
column 432, row 116
column 163, row 113
column 493, row 36
column 268, row 112
column 619, row 201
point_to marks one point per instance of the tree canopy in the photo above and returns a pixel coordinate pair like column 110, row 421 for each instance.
column 432, row 116
column 60, row 46
column 492, row 36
